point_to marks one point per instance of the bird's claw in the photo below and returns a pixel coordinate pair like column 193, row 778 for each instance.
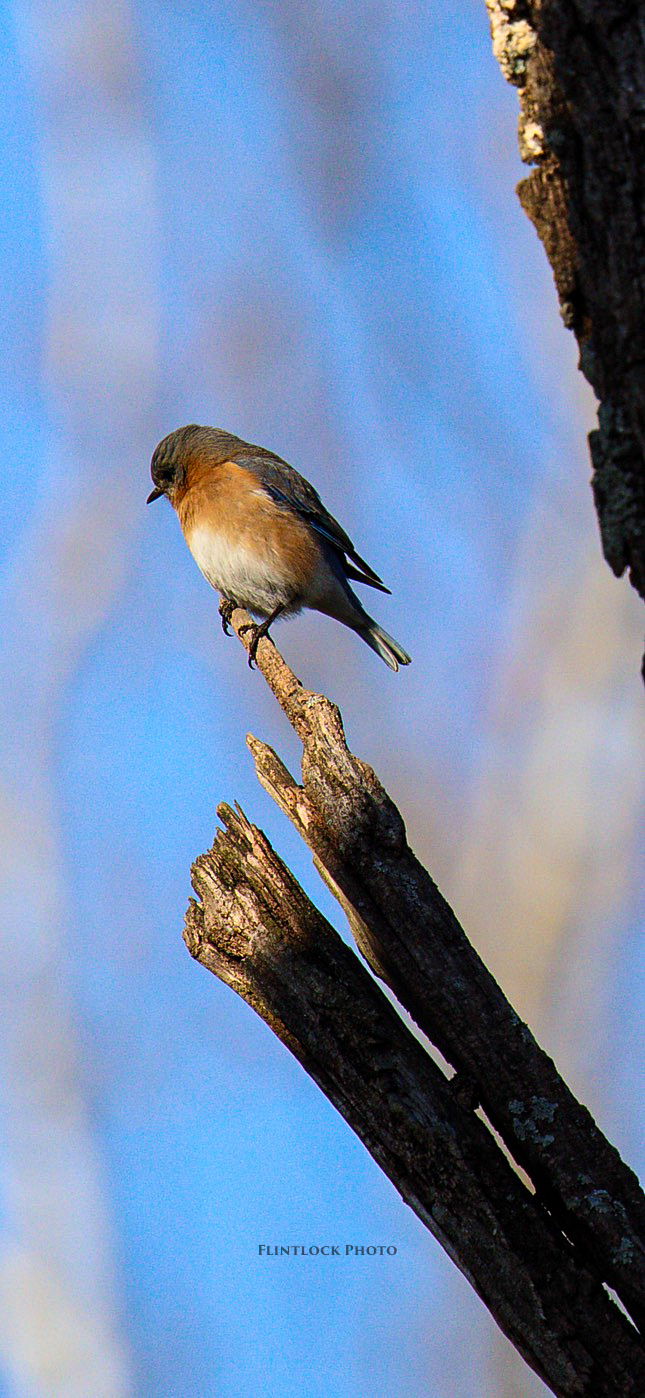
column 258, row 633
column 226, row 609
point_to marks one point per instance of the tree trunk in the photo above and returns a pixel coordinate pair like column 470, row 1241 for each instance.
column 580, row 69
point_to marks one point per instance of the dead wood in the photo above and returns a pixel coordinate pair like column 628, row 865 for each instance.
column 538, row 1260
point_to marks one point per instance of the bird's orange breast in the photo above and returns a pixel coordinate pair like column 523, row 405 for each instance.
column 245, row 544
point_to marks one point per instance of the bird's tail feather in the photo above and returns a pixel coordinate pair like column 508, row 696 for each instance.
column 389, row 650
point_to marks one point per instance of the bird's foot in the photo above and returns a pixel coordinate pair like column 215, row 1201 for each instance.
column 257, row 633
column 260, row 631
column 226, row 609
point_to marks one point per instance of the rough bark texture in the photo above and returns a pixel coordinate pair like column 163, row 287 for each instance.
column 580, row 69
column 538, row 1261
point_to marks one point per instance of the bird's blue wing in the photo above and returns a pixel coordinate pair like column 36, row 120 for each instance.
column 288, row 488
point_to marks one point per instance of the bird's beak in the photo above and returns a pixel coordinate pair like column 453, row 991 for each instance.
column 154, row 494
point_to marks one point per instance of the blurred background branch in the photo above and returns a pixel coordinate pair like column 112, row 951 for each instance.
column 256, row 930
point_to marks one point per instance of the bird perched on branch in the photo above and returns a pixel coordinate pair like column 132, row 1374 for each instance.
column 261, row 535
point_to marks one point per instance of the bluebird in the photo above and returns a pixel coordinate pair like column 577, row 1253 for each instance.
column 262, row 537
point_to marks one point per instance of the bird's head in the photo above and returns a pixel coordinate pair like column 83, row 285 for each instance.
column 179, row 455
column 168, row 465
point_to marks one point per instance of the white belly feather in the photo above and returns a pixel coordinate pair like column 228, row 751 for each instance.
column 253, row 578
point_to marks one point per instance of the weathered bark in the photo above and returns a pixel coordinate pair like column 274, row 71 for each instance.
column 256, row 930
column 580, row 69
